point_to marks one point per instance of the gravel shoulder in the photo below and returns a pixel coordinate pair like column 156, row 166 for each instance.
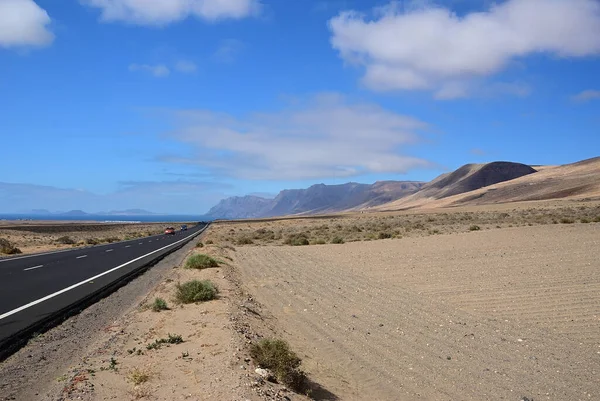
column 32, row 373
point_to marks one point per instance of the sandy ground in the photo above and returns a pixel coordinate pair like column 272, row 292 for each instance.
column 437, row 312
column 42, row 236
column 498, row 314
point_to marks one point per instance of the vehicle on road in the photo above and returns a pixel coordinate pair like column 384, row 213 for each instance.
column 170, row 231
column 184, row 227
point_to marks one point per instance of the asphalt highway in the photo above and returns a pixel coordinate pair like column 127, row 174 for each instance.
column 34, row 288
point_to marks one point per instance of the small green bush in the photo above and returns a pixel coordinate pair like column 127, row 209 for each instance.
column 7, row 248
column 195, row 291
column 171, row 339
column 199, row 244
column 66, row 240
column 565, row 220
column 209, row 242
column 474, row 228
column 337, row 240
column 200, row 261
column 283, row 362
column 585, row 221
column 384, row 235
column 110, row 240
column 159, row 304
column 92, row 241
column 320, row 241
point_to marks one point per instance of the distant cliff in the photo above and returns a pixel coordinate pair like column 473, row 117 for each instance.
column 318, row 198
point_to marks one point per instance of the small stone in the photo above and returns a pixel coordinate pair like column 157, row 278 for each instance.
column 264, row 373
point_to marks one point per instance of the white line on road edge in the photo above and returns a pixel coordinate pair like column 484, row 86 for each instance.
column 81, row 257
column 47, row 297
column 31, row 268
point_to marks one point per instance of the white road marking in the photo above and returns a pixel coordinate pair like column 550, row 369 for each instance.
column 127, row 246
column 81, row 257
column 34, row 267
column 109, row 250
column 141, row 243
column 47, row 297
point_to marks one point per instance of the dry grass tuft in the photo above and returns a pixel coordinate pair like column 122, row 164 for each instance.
column 138, row 376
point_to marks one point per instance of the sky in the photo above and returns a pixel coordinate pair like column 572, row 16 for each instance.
column 170, row 106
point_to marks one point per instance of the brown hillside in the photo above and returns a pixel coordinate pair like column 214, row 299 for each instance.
column 572, row 181
column 467, row 178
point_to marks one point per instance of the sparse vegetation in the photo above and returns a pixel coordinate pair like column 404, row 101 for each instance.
column 283, row 362
column 110, row 240
column 195, row 291
column 337, row 240
column 244, row 241
column 297, row 240
column 565, row 220
column 66, row 240
column 201, row 261
column 384, row 235
column 138, row 376
column 112, row 365
column 7, row 248
column 92, row 241
column 597, row 219
column 199, row 244
column 171, row 339
column 474, row 228
column 159, row 304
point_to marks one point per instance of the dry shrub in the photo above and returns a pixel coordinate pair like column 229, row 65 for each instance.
column 283, row 362
column 6, row 247
column 200, row 261
column 195, row 291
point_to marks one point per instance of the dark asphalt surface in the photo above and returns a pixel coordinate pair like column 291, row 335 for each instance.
column 36, row 287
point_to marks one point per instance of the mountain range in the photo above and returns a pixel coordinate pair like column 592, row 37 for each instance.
column 496, row 182
column 317, row 199
column 78, row 213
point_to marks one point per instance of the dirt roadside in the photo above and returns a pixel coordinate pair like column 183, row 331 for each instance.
column 104, row 352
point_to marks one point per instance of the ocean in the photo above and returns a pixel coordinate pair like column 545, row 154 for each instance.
column 107, row 218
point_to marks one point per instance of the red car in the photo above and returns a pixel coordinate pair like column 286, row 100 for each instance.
column 170, row 231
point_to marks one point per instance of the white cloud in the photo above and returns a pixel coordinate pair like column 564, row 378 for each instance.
column 163, row 12
column 23, row 23
column 185, row 66
column 587, row 95
column 429, row 47
column 325, row 136
column 228, row 50
column 159, row 70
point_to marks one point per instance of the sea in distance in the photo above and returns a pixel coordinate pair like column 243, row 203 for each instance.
column 155, row 218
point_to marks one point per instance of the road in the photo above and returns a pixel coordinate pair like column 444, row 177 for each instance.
column 36, row 288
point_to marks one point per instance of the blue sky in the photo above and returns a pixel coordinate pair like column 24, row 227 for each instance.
column 172, row 106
